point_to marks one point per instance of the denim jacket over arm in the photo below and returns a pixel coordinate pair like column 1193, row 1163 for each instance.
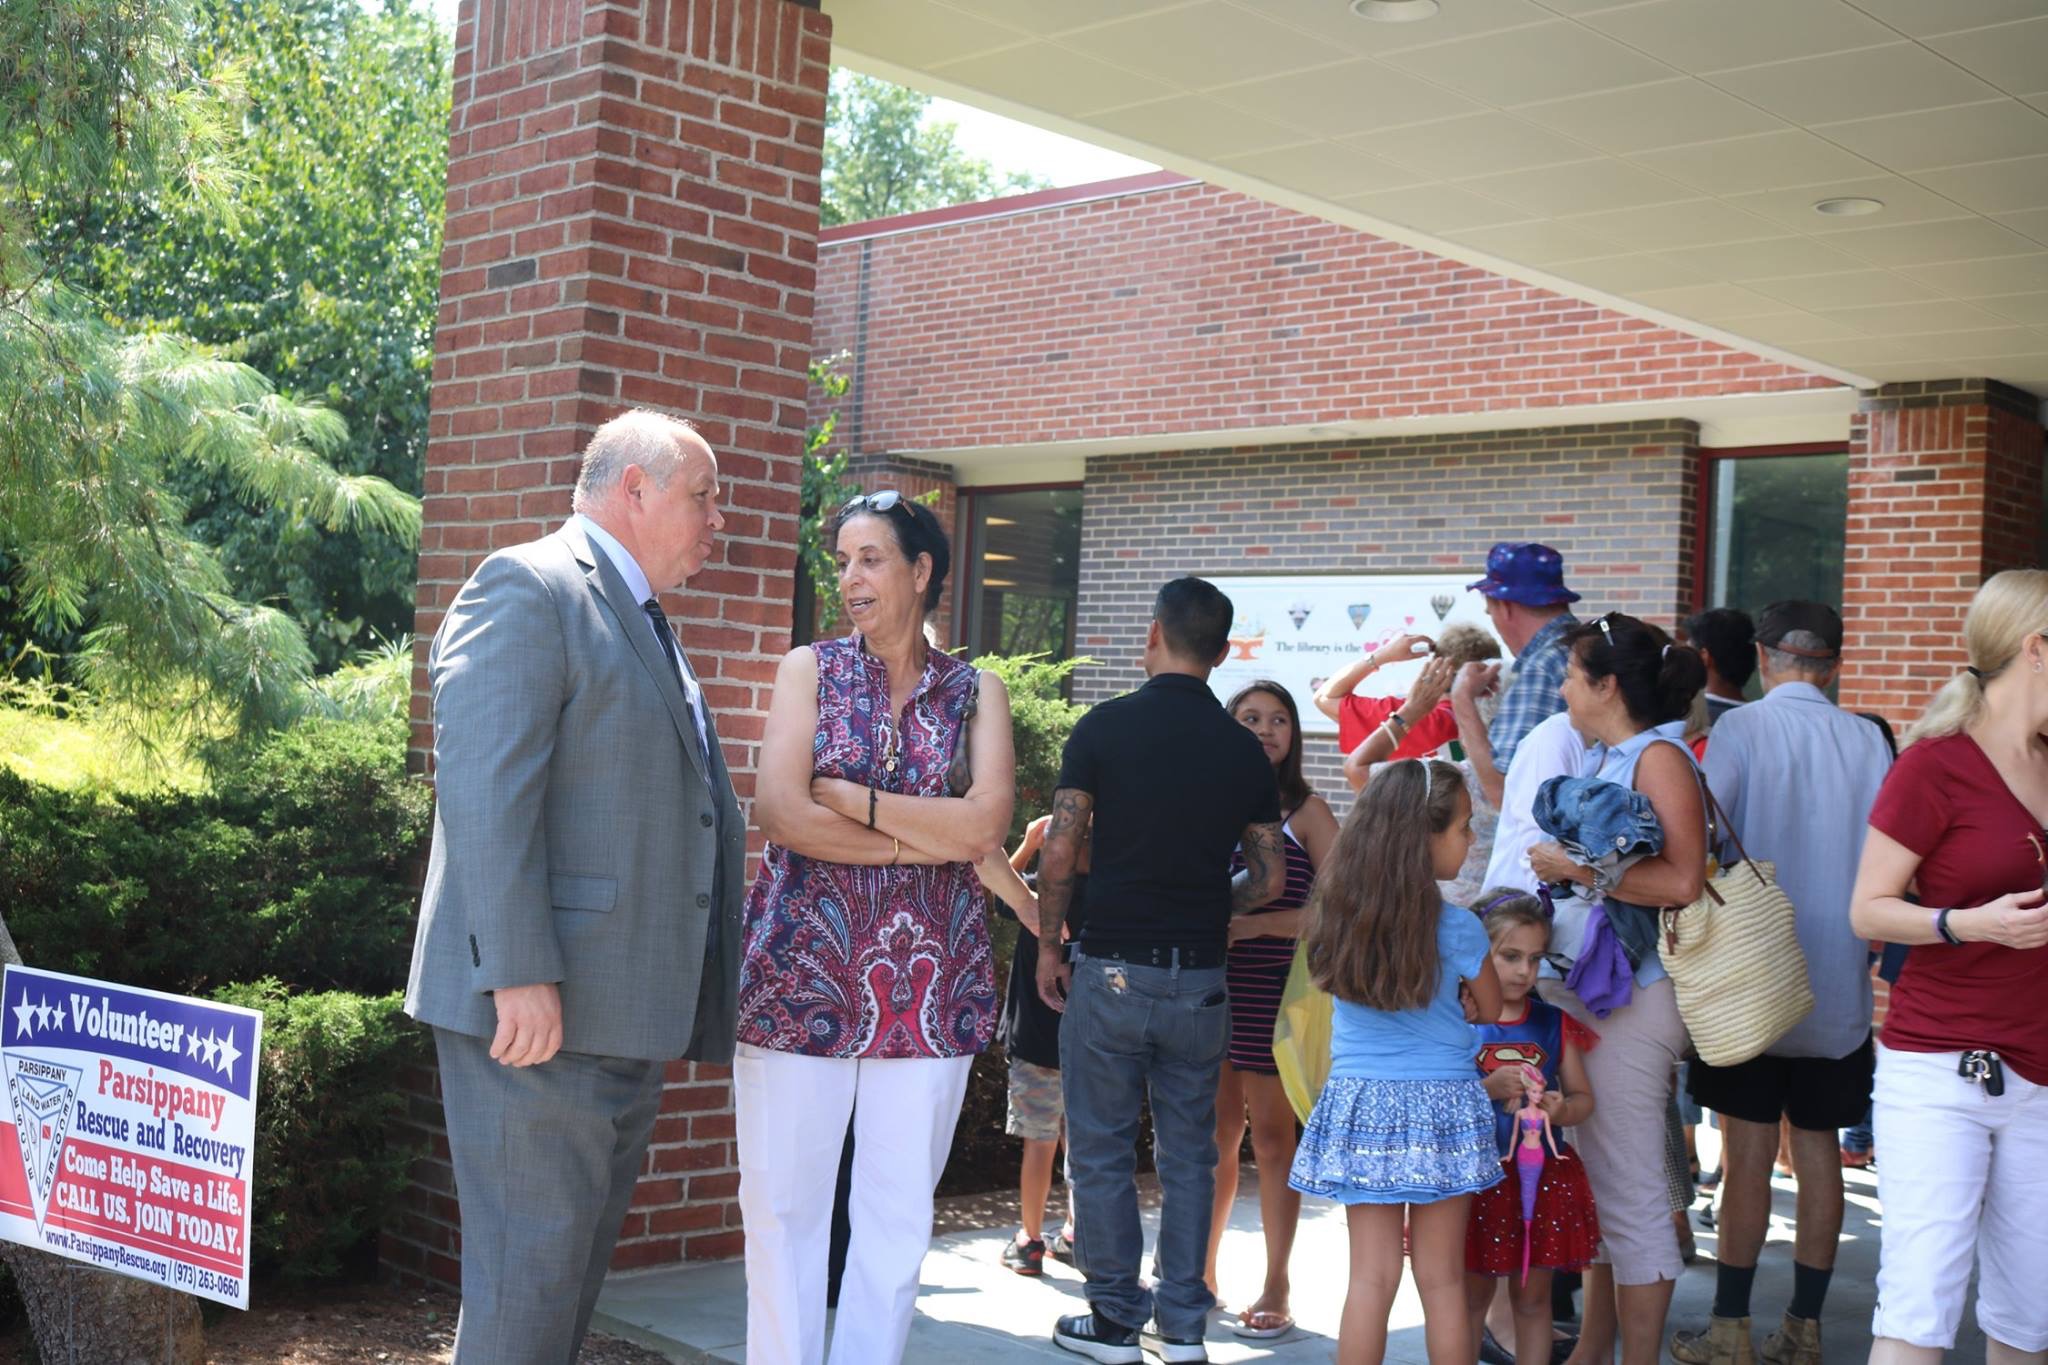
column 1602, row 824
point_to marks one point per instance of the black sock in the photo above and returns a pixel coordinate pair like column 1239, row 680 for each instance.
column 1809, row 1290
column 1731, row 1290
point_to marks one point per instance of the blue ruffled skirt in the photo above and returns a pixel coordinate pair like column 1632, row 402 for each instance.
column 1397, row 1142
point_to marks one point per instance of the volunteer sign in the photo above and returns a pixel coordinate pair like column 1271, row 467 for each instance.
column 133, row 1124
column 1300, row 629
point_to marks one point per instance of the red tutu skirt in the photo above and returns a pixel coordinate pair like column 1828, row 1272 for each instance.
column 1564, row 1236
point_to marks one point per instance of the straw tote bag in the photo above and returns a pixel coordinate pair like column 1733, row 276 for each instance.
column 1734, row 957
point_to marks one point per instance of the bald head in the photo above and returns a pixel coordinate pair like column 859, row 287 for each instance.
column 652, row 482
column 654, row 441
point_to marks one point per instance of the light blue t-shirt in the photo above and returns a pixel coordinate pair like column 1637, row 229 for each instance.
column 1433, row 1043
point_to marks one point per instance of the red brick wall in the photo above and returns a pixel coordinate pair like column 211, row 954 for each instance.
column 1944, row 491
column 632, row 220
column 1199, row 309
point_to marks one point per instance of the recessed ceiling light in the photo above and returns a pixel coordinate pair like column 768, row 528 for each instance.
column 1848, row 208
column 1395, row 11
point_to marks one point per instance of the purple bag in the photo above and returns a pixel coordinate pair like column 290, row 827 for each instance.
column 1601, row 977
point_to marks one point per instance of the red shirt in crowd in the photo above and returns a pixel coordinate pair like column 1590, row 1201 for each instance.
column 1359, row 716
column 1944, row 800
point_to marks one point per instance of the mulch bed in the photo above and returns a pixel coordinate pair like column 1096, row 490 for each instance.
column 367, row 1324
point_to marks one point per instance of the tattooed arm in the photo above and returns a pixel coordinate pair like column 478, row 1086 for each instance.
column 1058, row 861
column 1265, row 869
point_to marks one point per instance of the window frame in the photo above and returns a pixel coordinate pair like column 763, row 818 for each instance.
column 1703, row 508
column 965, row 554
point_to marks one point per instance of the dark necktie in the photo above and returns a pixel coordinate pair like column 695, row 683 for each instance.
column 707, row 998
column 666, row 634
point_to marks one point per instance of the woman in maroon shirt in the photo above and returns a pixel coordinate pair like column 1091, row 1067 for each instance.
column 1961, row 1101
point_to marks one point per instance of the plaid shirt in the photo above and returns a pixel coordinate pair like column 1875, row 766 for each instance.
column 1532, row 696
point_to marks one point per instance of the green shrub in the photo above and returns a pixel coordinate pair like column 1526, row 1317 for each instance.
column 327, row 1169
column 297, row 865
column 1041, row 719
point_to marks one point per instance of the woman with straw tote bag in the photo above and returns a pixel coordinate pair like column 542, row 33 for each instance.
column 1734, row 957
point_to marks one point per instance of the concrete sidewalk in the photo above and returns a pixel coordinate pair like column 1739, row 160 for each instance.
column 971, row 1309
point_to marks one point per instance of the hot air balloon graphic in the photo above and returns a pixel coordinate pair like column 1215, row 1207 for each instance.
column 1298, row 613
column 1359, row 611
column 1441, row 604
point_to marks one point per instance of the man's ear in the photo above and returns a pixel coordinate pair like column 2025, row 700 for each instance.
column 1153, row 635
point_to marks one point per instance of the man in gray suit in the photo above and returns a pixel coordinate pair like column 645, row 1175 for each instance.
column 580, row 922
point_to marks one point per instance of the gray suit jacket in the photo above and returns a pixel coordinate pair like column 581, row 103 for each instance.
column 578, row 837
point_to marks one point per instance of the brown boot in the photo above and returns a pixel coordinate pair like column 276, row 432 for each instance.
column 1797, row 1342
column 1725, row 1342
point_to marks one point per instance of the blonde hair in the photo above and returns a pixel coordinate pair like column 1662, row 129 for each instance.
column 1463, row 644
column 2010, row 608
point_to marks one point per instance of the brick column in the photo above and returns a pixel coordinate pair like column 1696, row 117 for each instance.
column 1945, row 481
column 632, row 221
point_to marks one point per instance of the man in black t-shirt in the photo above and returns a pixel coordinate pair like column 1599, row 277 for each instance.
column 1172, row 785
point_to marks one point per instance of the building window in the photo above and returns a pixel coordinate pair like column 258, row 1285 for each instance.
column 1775, row 527
column 1023, row 579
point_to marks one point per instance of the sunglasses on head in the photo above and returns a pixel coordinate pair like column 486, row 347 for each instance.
column 885, row 501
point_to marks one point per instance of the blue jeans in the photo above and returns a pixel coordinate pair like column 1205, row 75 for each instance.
column 1858, row 1138
column 1131, row 1032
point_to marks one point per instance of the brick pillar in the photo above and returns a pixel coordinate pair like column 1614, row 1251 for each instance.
column 1945, row 481
column 632, row 221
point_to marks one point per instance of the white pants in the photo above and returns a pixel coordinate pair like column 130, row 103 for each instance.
column 791, row 1117
column 1961, row 1175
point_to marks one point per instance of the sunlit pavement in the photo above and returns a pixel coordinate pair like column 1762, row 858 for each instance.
column 971, row 1309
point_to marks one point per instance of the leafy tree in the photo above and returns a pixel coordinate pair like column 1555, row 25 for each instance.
column 825, row 490
column 883, row 156
column 97, row 104
column 322, row 275
column 103, row 421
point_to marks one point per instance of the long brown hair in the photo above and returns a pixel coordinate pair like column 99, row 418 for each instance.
column 1372, row 920
column 1294, row 788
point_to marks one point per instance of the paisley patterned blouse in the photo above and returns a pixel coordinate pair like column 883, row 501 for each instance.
column 849, row 961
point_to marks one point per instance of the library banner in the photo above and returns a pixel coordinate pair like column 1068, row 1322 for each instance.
column 134, row 1120
column 1299, row 629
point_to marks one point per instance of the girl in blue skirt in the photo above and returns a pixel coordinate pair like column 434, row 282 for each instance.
column 1402, row 1128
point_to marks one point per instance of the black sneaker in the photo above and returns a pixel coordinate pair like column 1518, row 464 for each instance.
column 1491, row 1352
column 1026, row 1258
column 1060, row 1246
column 1094, row 1336
column 1177, row 1350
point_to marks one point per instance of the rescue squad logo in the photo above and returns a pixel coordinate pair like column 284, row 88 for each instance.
column 42, row 1093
